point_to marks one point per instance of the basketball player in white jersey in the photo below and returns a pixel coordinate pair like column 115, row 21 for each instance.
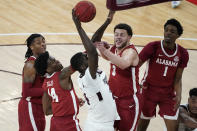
column 188, row 113
column 102, row 110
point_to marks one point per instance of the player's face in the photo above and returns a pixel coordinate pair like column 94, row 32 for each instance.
column 170, row 34
column 38, row 46
column 121, row 38
column 192, row 101
column 54, row 65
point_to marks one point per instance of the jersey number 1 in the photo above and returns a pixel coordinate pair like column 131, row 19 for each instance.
column 165, row 71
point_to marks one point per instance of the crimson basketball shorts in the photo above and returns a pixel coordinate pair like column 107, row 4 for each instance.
column 61, row 123
column 129, row 109
column 30, row 116
column 163, row 97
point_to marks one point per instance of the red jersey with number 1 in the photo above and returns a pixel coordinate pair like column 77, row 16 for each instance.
column 64, row 102
column 125, row 82
column 162, row 63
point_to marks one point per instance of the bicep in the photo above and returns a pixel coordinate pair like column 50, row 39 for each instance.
column 29, row 72
column 130, row 57
column 66, row 72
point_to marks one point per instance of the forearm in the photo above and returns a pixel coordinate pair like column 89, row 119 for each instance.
column 86, row 41
column 178, row 88
column 188, row 121
column 30, row 91
column 117, row 60
column 99, row 33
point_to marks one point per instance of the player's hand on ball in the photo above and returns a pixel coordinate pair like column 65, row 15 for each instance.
column 75, row 19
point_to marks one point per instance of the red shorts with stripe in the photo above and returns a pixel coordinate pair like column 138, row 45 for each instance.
column 129, row 109
column 61, row 123
column 30, row 116
column 163, row 97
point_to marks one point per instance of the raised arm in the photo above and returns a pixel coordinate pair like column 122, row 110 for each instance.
column 88, row 45
column 99, row 33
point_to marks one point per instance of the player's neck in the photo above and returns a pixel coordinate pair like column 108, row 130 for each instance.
column 170, row 46
column 118, row 50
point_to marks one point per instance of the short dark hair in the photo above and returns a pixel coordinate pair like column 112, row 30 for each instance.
column 175, row 23
column 29, row 42
column 77, row 60
column 193, row 92
column 125, row 27
column 41, row 63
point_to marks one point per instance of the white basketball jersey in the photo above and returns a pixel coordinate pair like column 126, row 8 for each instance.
column 101, row 105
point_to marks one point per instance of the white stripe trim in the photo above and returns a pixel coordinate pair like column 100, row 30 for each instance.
column 166, row 52
column 33, row 57
column 31, row 116
column 146, row 72
column 90, row 34
column 135, row 99
column 76, row 110
column 172, row 117
column 142, row 116
column 49, row 76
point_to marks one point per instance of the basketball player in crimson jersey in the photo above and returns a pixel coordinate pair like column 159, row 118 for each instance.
column 30, row 113
column 162, row 80
column 102, row 111
column 59, row 96
column 123, row 80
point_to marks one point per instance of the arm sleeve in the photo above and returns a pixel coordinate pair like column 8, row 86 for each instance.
column 33, row 92
column 147, row 52
column 184, row 58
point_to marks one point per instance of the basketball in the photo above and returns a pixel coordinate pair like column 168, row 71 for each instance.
column 85, row 10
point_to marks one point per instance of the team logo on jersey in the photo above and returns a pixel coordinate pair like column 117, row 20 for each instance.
column 176, row 58
column 49, row 83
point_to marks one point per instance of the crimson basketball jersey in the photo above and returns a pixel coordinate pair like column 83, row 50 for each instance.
column 162, row 63
column 64, row 102
column 123, row 82
column 36, row 91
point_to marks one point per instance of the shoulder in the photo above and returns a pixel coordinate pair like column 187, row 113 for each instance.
column 154, row 44
column 183, row 50
column 29, row 65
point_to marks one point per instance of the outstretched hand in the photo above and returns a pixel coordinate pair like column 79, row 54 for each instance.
column 102, row 46
column 75, row 19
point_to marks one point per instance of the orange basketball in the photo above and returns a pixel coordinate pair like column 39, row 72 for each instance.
column 85, row 10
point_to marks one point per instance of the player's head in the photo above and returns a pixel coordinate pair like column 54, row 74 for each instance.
column 47, row 64
column 172, row 30
column 35, row 45
column 79, row 62
column 122, row 35
column 192, row 100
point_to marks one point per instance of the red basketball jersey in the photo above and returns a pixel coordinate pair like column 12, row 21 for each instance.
column 162, row 63
column 64, row 102
column 123, row 82
column 36, row 91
